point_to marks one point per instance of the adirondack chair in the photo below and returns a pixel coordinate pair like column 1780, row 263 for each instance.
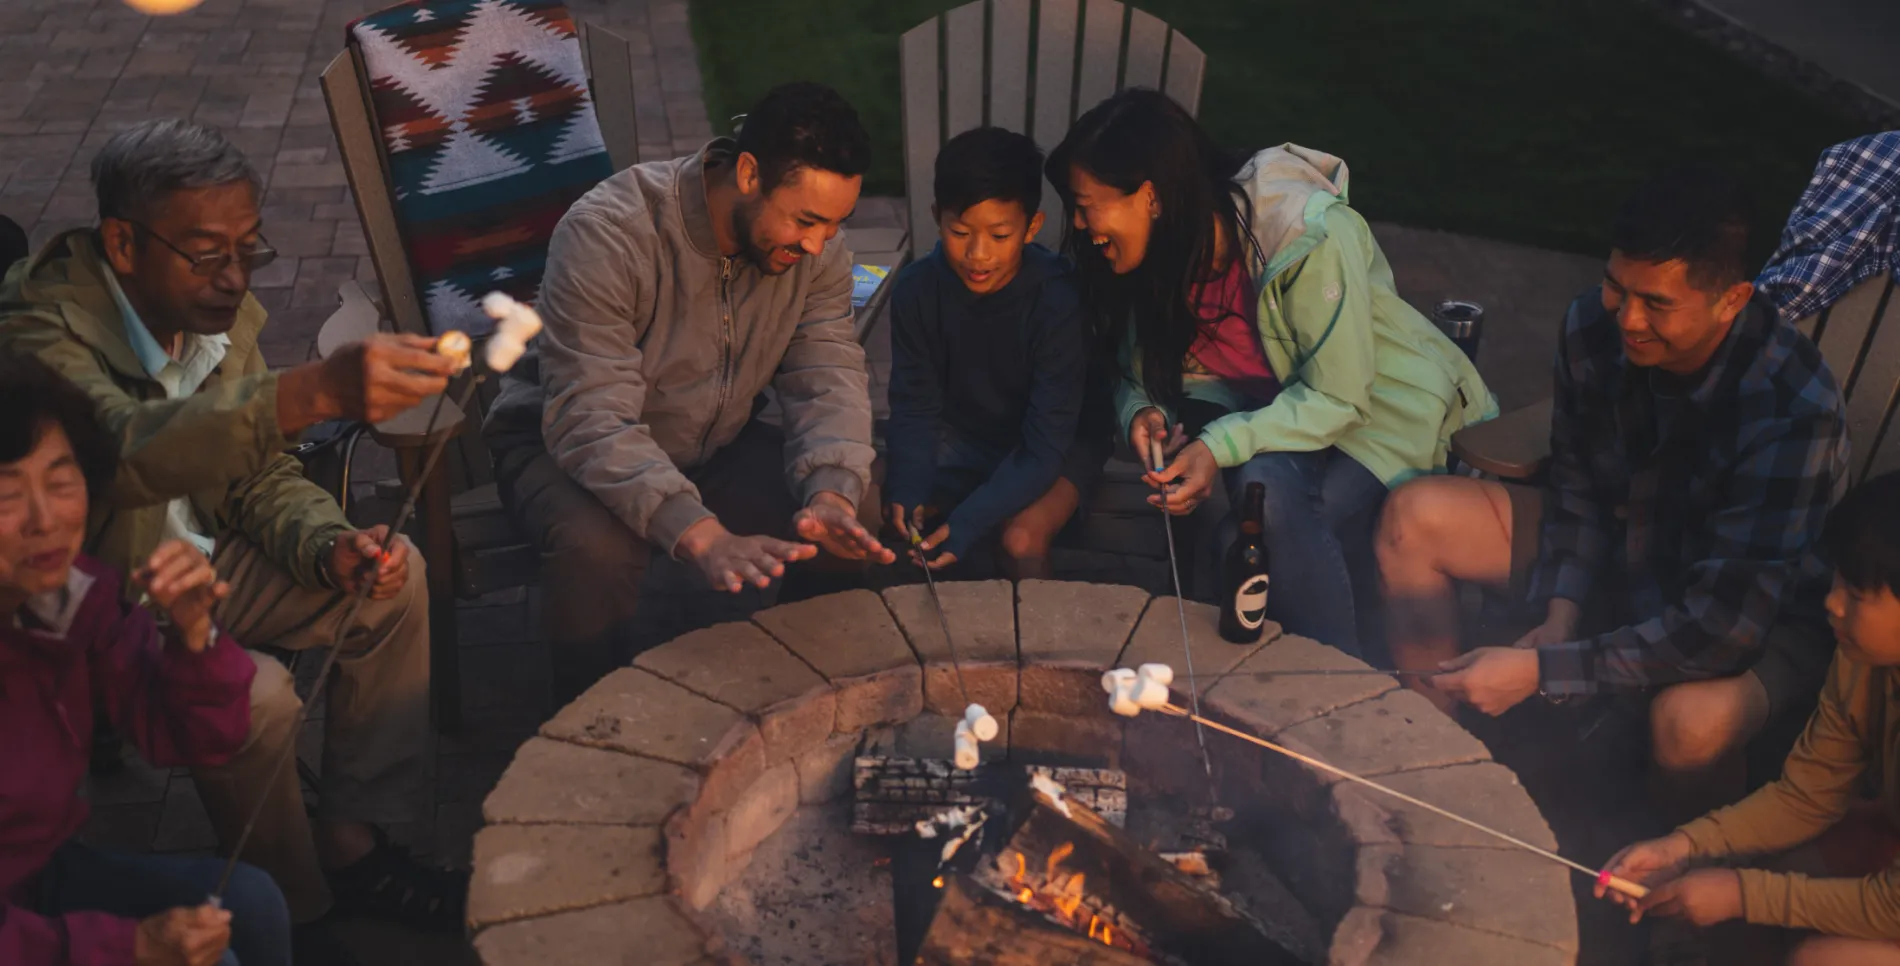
column 469, row 542
column 972, row 66
column 1859, row 336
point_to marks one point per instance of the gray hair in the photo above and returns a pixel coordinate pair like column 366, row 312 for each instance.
column 144, row 163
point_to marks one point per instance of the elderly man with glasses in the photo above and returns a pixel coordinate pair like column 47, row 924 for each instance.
column 151, row 314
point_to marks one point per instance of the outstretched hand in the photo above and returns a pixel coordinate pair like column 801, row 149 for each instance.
column 831, row 522
column 1492, row 679
column 1651, row 863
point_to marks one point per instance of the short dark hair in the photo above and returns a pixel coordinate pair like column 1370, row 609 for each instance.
column 804, row 125
column 988, row 164
column 1693, row 212
column 134, row 172
column 1862, row 535
column 32, row 397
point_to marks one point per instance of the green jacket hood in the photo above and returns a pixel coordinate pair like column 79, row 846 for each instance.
column 1291, row 187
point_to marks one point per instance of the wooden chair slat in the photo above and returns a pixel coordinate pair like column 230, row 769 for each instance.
column 610, row 77
column 1848, row 322
column 1186, row 67
column 963, row 68
column 1147, row 49
column 1101, row 53
column 347, row 94
column 922, row 125
column 1056, row 24
column 1870, row 401
column 1009, row 64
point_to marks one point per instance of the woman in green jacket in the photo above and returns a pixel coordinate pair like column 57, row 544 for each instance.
column 1248, row 303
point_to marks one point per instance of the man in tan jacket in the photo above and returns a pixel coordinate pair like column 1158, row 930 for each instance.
column 150, row 314
column 676, row 293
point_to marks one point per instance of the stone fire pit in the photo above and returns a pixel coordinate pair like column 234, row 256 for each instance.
column 613, row 834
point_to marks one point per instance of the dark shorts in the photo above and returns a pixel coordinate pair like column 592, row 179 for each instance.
column 1793, row 663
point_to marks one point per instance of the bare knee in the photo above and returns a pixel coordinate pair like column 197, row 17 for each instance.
column 1411, row 527
column 1694, row 726
column 1023, row 541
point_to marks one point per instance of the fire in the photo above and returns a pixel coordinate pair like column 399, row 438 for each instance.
column 938, row 882
column 1069, row 904
column 1025, row 895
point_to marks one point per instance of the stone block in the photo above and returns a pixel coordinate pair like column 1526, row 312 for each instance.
column 1036, row 738
column 886, row 697
column 1073, row 624
column 637, row 712
column 1397, row 731
column 744, row 668
column 1364, row 815
column 760, row 810
column 1508, row 893
column 534, row 870
column 1270, row 704
column 553, row 781
column 643, row 932
column 1062, row 689
column 696, row 855
column 1356, row 937
column 933, row 736
column 1485, row 792
column 982, row 616
column 1409, row 940
column 1162, row 756
column 843, row 635
column 733, row 773
column 824, row 770
column 1157, row 640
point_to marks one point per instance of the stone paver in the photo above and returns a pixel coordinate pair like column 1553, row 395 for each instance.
column 1068, row 633
column 1410, row 940
column 1509, row 893
column 754, row 675
column 533, row 870
column 648, row 932
column 620, row 789
column 853, row 641
column 1484, row 792
column 1397, row 731
column 824, row 770
column 1270, row 704
column 761, row 810
column 1157, row 640
column 982, row 616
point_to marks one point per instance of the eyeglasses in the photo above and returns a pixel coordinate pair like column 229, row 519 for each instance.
column 212, row 263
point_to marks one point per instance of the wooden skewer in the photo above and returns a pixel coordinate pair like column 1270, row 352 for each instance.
column 1620, row 884
column 1331, row 672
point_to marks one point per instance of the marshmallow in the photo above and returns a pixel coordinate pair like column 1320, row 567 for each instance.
column 966, row 755
column 1120, row 685
column 454, row 346
column 981, row 724
column 515, row 324
column 1151, row 686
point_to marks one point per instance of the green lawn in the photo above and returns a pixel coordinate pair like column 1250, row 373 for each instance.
column 1517, row 119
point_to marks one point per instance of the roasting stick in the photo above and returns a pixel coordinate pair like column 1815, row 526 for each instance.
column 516, row 324
column 977, row 725
column 1180, row 607
column 1132, row 692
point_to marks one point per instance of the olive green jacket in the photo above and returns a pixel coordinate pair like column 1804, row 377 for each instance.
column 221, row 447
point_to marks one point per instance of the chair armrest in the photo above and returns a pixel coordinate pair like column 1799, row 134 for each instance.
column 357, row 318
column 1514, row 446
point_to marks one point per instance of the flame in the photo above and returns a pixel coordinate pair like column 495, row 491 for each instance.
column 1021, row 866
column 1024, row 896
column 1107, row 935
column 1068, row 904
column 938, row 882
column 1094, row 922
column 1060, row 852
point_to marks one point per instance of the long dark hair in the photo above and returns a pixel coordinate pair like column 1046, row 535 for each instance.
column 1143, row 135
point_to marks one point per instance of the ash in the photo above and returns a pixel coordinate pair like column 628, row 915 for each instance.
column 814, row 895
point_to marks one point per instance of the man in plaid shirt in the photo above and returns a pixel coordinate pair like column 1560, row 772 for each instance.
column 1697, row 443
column 1845, row 228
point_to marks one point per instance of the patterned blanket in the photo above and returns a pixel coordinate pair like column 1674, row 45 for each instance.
column 490, row 135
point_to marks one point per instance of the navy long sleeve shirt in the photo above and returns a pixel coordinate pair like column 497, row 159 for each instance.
column 1006, row 369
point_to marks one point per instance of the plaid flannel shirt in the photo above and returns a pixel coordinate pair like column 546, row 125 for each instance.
column 1845, row 228
column 1705, row 500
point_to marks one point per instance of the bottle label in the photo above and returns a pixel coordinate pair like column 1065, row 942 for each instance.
column 1250, row 602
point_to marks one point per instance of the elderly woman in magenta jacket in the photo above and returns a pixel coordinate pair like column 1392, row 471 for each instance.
column 1246, row 300
column 179, row 690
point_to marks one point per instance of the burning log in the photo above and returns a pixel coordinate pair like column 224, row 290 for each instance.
column 895, row 793
column 975, row 925
column 1064, row 866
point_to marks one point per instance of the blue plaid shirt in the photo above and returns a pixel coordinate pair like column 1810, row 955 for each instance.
column 1704, row 499
column 1845, row 228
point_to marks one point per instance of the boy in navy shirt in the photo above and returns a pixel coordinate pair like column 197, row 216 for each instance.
column 990, row 355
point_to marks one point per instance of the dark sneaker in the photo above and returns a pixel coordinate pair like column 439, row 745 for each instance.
column 391, row 884
column 316, row 944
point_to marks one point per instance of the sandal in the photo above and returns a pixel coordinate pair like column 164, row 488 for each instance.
column 389, row 883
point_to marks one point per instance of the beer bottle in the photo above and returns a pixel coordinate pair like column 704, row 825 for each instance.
column 1244, row 573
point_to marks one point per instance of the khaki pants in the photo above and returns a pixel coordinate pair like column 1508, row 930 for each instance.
column 375, row 764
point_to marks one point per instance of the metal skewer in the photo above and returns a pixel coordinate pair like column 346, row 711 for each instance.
column 943, row 621
column 1180, row 606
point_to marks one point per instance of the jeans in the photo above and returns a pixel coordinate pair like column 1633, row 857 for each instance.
column 81, row 877
column 1320, row 511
